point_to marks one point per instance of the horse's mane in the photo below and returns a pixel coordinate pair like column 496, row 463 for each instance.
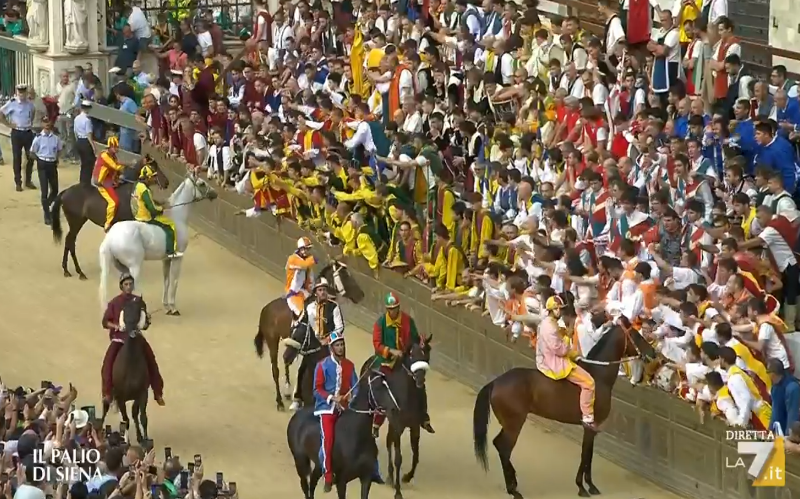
column 601, row 343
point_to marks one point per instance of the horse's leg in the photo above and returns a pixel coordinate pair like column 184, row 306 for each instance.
column 288, row 389
column 106, row 407
column 303, row 467
column 389, row 460
column 123, row 411
column 135, row 411
column 165, row 265
column 366, row 483
column 174, row 276
column 143, row 414
column 341, row 489
column 70, row 244
column 316, row 474
column 587, row 468
column 398, row 461
column 504, row 442
column 272, row 345
column 414, row 433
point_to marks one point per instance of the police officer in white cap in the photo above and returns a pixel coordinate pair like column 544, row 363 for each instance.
column 83, row 133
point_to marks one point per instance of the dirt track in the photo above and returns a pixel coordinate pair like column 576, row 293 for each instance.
column 219, row 395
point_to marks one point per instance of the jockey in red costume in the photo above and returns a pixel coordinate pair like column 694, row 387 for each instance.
column 110, row 319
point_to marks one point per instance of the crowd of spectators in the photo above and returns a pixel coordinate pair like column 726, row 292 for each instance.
column 501, row 157
column 49, row 448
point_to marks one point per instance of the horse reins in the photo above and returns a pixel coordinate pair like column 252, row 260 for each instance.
column 623, row 360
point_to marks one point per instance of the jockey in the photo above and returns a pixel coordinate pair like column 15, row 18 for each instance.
column 148, row 211
column 554, row 359
column 325, row 319
column 299, row 276
column 335, row 384
column 392, row 333
column 110, row 322
column 106, row 177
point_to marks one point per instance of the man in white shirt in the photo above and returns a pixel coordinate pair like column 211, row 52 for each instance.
column 65, row 89
column 205, row 40
column 139, row 25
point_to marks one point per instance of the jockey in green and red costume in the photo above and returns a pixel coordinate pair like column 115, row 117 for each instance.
column 393, row 333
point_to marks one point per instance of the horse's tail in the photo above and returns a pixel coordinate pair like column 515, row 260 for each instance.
column 106, row 261
column 480, row 423
column 56, row 222
column 260, row 339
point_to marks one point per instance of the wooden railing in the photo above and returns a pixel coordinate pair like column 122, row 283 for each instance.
column 757, row 54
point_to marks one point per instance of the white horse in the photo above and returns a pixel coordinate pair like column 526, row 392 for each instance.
column 128, row 244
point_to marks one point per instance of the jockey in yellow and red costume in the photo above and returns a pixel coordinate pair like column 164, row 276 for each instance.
column 299, row 276
column 111, row 320
column 106, row 177
column 392, row 334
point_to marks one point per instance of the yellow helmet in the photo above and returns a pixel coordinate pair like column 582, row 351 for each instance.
column 147, row 173
column 113, row 142
column 554, row 303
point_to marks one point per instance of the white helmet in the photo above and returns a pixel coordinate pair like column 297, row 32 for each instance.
column 322, row 282
column 303, row 242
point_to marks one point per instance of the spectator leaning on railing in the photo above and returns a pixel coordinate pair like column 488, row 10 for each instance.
column 38, row 426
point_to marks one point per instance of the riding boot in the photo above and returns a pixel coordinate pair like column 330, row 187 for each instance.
column 423, row 407
column 106, row 372
column 156, row 381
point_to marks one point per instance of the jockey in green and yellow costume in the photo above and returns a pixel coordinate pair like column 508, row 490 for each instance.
column 392, row 335
column 148, row 211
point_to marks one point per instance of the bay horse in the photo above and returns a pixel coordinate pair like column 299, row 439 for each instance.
column 82, row 202
column 522, row 391
column 303, row 341
column 128, row 244
column 130, row 380
column 355, row 452
column 275, row 321
column 406, row 381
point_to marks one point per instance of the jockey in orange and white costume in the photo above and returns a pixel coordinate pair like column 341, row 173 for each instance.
column 299, row 277
column 555, row 358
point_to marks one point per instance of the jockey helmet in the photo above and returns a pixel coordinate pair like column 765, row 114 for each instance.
column 391, row 300
column 125, row 277
column 147, row 173
column 303, row 242
column 554, row 303
column 321, row 283
column 113, row 142
column 335, row 336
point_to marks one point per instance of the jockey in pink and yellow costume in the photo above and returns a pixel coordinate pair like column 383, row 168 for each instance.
column 299, row 276
column 555, row 358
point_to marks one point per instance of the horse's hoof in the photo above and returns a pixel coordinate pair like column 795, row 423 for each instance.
column 516, row 495
column 66, row 273
column 398, row 495
column 583, row 493
column 83, row 277
column 390, row 480
column 176, row 313
column 407, row 478
column 594, row 490
column 281, row 407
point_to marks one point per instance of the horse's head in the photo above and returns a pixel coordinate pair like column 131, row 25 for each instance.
column 133, row 317
column 161, row 179
column 375, row 386
column 338, row 275
column 200, row 189
column 621, row 342
column 418, row 360
column 301, row 341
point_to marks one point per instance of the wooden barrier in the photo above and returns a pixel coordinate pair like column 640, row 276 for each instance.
column 649, row 432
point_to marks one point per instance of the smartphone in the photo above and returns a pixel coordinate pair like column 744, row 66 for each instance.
column 46, row 384
column 220, row 480
column 167, row 452
column 185, row 480
column 191, row 468
column 108, row 430
column 154, row 490
column 152, row 470
column 147, row 445
column 3, row 478
column 198, row 460
column 123, row 428
column 13, row 481
column 91, row 411
column 232, row 488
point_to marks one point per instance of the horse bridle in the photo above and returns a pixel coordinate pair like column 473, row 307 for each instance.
column 372, row 399
column 628, row 339
column 337, row 278
column 307, row 339
column 202, row 197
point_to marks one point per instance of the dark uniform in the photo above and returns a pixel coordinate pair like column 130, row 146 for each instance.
column 84, row 131
column 46, row 147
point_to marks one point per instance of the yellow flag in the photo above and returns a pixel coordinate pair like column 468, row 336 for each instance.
column 357, row 61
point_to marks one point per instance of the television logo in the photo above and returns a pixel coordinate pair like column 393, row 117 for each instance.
column 78, row 465
column 768, row 468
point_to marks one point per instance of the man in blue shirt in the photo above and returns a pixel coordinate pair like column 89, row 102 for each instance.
column 785, row 395
column 84, row 135
column 46, row 147
column 18, row 115
column 128, row 137
column 777, row 153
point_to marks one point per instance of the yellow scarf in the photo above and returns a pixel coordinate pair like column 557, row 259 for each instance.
column 308, row 141
column 747, row 222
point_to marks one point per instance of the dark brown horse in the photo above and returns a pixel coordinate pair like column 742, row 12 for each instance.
column 82, row 202
column 522, row 391
column 406, row 381
column 276, row 320
column 130, row 380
